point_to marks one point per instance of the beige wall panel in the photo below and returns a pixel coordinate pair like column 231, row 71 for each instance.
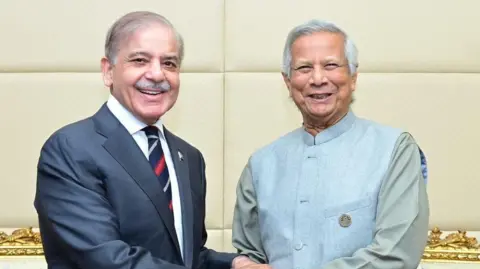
column 257, row 110
column 69, row 35
column 215, row 239
column 433, row 107
column 227, row 241
column 398, row 36
column 197, row 117
column 32, row 107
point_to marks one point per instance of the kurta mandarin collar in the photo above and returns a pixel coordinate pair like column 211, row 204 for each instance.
column 331, row 132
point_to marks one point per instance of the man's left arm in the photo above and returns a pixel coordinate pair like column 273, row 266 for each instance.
column 209, row 258
column 402, row 216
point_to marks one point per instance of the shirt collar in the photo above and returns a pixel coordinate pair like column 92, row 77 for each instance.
column 331, row 132
column 127, row 119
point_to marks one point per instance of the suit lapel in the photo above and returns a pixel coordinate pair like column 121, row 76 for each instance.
column 122, row 147
column 180, row 161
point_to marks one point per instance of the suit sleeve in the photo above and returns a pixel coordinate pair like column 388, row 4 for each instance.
column 74, row 211
column 402, row 216
column 209, row 258
column 246, row 231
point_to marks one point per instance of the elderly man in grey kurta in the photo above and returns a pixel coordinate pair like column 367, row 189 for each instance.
column 340, row 191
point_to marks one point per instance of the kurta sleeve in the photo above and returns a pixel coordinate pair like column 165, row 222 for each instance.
column 246, row 231
column 402, row 216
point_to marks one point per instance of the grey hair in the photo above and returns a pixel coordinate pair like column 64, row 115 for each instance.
column 123, row 27
column 315, row 26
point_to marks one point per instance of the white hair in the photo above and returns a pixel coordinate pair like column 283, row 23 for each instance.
column 128, row 23
column 315, row 26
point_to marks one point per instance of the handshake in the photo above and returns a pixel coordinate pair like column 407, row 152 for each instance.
column 243, row 262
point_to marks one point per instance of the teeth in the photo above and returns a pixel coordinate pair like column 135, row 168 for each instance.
column 150, row 92
column 320, row 96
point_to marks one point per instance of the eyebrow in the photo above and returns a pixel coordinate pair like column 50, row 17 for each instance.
column 326, row 60
column 302, row 62
column 148, row 55
column 170, row 58
column 138, row 53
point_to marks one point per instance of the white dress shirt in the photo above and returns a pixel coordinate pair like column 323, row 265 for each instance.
column 134, row 127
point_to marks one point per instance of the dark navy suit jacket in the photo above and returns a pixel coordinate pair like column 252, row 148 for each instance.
column 100, row 205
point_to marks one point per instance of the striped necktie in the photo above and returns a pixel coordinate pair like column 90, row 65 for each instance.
column 157, row 161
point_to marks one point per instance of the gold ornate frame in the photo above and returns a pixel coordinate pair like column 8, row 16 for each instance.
column 455, row 247
column 21, row 242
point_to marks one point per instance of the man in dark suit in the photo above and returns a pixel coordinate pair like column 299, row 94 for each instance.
column 118, row 190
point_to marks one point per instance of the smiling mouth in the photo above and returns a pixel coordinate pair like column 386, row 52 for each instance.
column 320, row 96
column 150, row 92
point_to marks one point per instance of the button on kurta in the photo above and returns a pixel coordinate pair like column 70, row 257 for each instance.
column 298, row 246
column 345, row 220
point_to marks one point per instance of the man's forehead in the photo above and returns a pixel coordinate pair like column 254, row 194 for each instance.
column 148, row 34
column 323, row 53
column 321, row 39
column 149, row 47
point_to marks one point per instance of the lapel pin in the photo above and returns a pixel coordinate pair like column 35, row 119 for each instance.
column 180, row 156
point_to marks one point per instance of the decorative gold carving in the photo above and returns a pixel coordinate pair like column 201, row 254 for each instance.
column 22, row 242
column 455, row 247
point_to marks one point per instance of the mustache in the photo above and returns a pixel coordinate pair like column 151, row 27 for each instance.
column 144, row 84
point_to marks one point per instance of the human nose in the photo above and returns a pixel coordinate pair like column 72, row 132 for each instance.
column 155, row 72
column 318, row 76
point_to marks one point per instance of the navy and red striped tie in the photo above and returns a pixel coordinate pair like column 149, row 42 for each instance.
column 157, row 161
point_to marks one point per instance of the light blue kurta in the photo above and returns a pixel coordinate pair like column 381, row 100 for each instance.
column 296, row 193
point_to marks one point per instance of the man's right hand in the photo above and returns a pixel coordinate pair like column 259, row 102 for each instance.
column 243, row 262
column 257, row 266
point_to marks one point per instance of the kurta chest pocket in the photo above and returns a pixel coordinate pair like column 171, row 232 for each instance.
column 349, row 226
